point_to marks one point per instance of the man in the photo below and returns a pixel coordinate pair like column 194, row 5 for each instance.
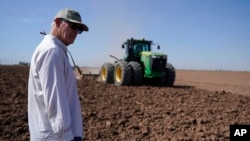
column 54, row 110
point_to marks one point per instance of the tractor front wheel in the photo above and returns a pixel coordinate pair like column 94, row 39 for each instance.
column 137, row 73
column 170, row 75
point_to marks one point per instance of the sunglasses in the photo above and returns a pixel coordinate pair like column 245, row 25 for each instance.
column 74, row 26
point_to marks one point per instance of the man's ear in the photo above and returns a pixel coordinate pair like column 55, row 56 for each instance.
column 58, row 21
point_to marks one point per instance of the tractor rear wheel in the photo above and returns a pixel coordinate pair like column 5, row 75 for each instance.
column 107, row 73
column 122, row 73
column 137, row 73
column 170, row 75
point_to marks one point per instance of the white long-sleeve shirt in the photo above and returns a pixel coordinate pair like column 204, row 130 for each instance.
column 54, row 111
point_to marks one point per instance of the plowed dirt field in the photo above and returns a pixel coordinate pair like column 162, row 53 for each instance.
column 199, row 107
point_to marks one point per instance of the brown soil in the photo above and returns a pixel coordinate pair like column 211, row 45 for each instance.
column 199, row 107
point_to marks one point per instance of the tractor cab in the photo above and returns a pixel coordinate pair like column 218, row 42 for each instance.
column 135, row 47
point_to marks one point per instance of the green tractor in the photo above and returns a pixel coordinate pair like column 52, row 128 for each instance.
column 138, row 66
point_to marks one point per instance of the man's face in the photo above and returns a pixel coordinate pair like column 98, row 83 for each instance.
column 68, row 32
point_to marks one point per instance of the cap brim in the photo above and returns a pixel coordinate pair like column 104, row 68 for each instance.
column 84, row 27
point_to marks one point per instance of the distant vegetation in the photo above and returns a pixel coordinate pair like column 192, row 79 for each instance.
column 13, row 62
column 23, row 63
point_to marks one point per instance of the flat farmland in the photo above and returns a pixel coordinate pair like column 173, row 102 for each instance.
column 234, row 82
column 200, row 106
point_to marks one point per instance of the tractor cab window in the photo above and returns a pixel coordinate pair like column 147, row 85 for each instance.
column 137, row 50
column 139, row 47
column 134, row 49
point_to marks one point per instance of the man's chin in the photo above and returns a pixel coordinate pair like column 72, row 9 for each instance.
column 69, row 43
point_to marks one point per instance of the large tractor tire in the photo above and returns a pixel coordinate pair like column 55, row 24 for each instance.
column 107, row 73
column 137, row 73
column 122, row 73
column 170, row 75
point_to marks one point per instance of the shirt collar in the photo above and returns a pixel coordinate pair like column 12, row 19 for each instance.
column 58, row 42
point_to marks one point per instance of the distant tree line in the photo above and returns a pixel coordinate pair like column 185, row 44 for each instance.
column 24, row 63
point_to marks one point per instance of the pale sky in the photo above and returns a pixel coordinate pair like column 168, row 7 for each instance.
column 195, row 34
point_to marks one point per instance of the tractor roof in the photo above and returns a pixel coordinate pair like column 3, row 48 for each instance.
column 139, row 40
